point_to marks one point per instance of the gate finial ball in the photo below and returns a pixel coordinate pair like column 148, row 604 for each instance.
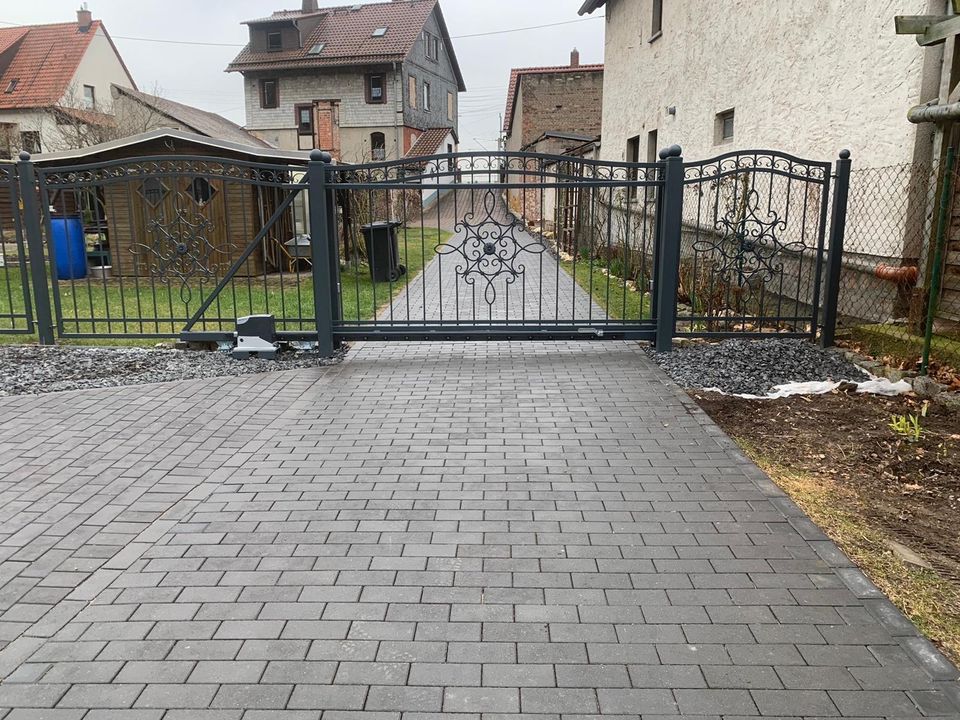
column 320, row 156
column 844, row 154
column 24, row 156
column 669, row 152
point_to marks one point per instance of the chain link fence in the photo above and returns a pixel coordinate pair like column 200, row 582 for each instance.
column 888, row 279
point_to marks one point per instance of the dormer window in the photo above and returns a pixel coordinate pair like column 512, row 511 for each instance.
column 12, row 86
column 274, row 41
column 380, row 32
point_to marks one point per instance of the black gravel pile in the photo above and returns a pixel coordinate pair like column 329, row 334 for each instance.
column 26, row 369
column 754, row 367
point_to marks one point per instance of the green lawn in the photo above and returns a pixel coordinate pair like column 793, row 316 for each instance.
column 619, row 302
column 161, row 309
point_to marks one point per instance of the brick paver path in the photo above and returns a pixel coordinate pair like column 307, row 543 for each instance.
column 426, row 531
column 523, row 282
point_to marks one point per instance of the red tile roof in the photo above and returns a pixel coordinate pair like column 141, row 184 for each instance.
column 44, row 61
column 430, row 142
column 346, row 33
column 518, row 73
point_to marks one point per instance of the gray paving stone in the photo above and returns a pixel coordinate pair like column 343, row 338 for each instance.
column 461, row 531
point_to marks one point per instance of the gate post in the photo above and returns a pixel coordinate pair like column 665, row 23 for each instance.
column 32, row 228
column 317, row 190
column 838, row 225
column 668, row 262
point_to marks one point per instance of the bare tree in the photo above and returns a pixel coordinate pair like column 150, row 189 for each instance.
column 80, row 124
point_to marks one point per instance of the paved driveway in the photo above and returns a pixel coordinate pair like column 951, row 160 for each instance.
column 512, row 530
column 521, row 281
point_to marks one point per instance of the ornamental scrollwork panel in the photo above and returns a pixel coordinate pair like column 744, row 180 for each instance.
column 179, row 246
column 747, row 246
column 488, row 245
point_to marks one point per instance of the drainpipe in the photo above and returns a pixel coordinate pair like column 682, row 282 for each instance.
column 397, row 96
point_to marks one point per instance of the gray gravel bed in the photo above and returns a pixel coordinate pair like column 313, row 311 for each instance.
column 754, row 367
column 28, row 369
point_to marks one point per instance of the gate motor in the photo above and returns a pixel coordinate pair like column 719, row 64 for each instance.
column 256, row 338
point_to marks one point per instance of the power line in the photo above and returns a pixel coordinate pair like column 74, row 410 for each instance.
column 531, row 27
column 167, row 41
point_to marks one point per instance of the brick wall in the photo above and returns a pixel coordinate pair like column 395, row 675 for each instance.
column 560, row 102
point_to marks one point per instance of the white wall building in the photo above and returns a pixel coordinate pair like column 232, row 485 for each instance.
column 54, row 81
column 807, row 78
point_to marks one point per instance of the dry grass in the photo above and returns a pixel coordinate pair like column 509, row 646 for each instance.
column 930, row 600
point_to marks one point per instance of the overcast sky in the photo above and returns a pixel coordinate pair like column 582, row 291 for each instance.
column 193, row 74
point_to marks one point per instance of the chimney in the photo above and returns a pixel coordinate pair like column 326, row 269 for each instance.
column 575, row 58
column 84, row 18
column 309, row 6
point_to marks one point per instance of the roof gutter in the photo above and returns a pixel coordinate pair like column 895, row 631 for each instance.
column 934, row 112
column 590, row 5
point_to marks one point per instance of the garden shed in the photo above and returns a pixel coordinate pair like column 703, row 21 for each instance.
column 141, row 196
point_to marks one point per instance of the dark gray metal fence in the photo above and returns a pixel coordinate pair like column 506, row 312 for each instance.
column 457, row 246
column 16, row 307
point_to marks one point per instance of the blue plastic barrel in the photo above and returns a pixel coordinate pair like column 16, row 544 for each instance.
column 69, row 248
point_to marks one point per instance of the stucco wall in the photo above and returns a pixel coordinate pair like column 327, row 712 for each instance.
column 807, row 77
column 278, row 125
column 99, row 67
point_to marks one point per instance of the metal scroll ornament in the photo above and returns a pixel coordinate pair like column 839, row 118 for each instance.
column 748, row 248
column 490, row 247
column 180, row 248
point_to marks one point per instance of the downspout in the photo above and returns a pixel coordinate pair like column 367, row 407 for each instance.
column 398, row 97
column 937, row 112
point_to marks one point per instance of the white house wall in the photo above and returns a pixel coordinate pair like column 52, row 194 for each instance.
column 808, row 78
column 101, row 68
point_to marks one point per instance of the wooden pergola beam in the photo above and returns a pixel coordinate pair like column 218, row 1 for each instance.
column 938, row 33
column 917, row 24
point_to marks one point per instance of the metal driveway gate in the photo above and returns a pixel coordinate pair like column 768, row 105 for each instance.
column 497, row 245
column 457, row 246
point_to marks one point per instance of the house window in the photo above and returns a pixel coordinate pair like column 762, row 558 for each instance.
column 269, row 93
column 305, row 120
column 90, row 96
column 153, row 191
column 274, row 41
column 724, row 127
column 426, row 96
column 412, row 91
column 376, row 88
column 633, row 156
column 12, row 85
column 432, row 45
column 656, row 25
column 30, row 141
column 201, row 191
column 380, row 32
column 652, row 147
column 378, row 146
column 451, row 106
